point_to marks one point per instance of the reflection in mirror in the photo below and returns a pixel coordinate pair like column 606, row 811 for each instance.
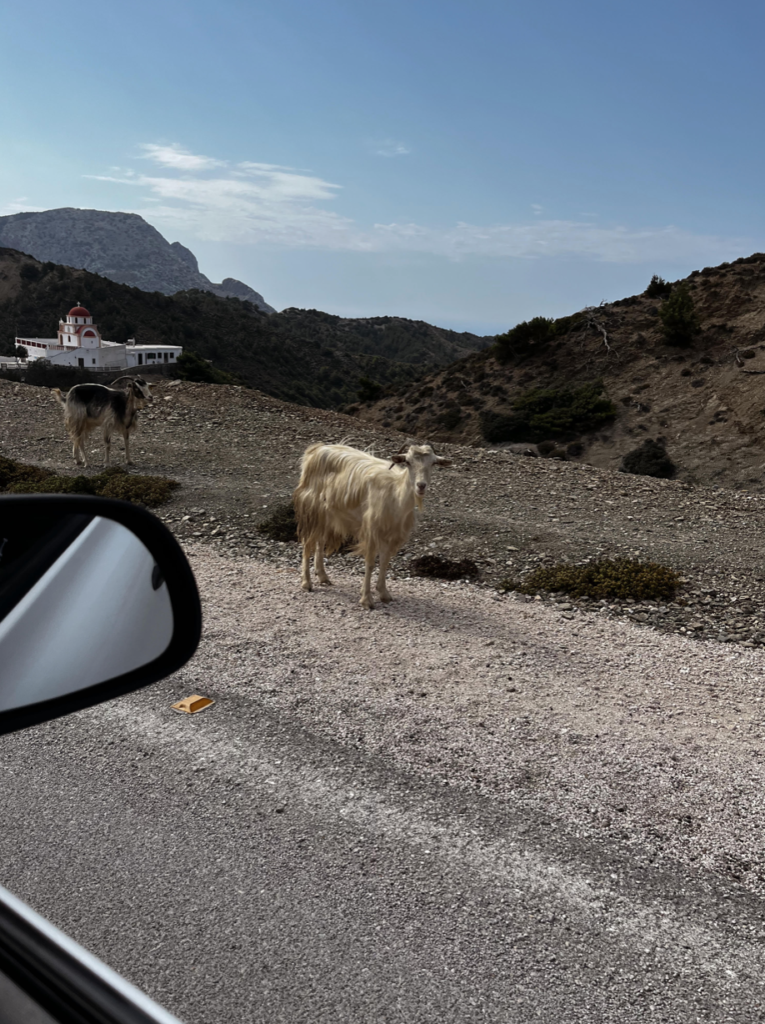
column 81, row 602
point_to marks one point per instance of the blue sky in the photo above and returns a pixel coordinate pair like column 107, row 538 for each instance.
column 470, row 164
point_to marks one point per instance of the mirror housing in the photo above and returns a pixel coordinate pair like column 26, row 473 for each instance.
column 63, row 554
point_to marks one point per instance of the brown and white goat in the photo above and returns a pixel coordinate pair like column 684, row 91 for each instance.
column 87, row 406
column 345, row 493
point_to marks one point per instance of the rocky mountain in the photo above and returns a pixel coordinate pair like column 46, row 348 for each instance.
column 301, row 355
column 702, row 397
column 120, row 246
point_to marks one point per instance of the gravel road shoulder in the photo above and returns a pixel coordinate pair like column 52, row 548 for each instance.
column 627, row 737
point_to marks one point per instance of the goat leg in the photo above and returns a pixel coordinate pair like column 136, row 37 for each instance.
column 318, row 565
column 366, row 587
column 127, row 449
column 382, row 588
column 305, row 575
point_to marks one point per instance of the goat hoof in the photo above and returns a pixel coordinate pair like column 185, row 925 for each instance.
column 386, row 598
column 326, row 582
column 307, row 587
column 367, row 603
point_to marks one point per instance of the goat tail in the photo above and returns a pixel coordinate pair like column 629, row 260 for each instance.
column 76, row 420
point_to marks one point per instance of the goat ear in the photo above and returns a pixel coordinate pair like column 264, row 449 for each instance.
column 397, row 458
column 441, row 461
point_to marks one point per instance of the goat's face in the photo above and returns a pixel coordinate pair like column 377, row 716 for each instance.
column 141, row 392
column 419, row 460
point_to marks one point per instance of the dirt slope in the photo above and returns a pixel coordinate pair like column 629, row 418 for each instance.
column 706, row 401
column 236, row 454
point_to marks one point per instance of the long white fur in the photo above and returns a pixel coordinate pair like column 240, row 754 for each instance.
column 345, row 494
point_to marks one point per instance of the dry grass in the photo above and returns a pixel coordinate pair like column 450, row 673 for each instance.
column 19, row 478
column 619, row 578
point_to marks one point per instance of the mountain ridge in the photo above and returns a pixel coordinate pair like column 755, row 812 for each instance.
column 121, row 246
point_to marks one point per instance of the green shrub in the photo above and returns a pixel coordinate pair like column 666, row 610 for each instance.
column 193, row 367
column 545, row 413
column 444, row 568
column 679, row 318
column 450, row 418
column 532, row 335
column 12, row 473
column 523, row 337
column 29, row 272
column 369, row 390
column 18, row 478
column 658, row 288
column 281, row 524
column 143, row 490
column 649, row 459
column 610, row 578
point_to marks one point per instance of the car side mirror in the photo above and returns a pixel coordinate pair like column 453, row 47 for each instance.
column 96, row 599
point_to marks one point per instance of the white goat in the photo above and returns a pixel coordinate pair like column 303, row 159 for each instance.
column 346, row 494
column 87, row 406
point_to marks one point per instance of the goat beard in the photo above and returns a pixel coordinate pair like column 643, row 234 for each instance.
column 419, row 502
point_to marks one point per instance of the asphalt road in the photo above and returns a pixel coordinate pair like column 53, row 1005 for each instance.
column 239, row 869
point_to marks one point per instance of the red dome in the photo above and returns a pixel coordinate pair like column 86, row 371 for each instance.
column 78, row 311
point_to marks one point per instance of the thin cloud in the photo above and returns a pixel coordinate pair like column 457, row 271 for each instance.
column 260, row 203
column 561, row 239
column 389, row 148
column 178, row 158
column 19, row 205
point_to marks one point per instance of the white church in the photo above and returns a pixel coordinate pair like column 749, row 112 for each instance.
column 79, row 343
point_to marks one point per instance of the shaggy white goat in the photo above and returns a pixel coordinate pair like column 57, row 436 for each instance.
column 346, row 494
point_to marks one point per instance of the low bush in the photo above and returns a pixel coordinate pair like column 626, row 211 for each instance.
column 649, row 459
column 450, row 418
column 619, row 578
column 444, row 568
column 532, row 335
column 658, row 288
column 281, row 524
column 369, row 390
column 193, row 367
column 679, row 319
column 19, row 478
column 542, row 414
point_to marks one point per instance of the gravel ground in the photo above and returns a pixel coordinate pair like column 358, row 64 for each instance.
column 641, row 723
column 631, row 738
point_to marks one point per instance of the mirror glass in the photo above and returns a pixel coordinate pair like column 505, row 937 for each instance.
column 82, row 601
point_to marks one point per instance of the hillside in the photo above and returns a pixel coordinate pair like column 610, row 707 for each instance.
column 304, row 356
column 120, row 246
column 706, row 401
